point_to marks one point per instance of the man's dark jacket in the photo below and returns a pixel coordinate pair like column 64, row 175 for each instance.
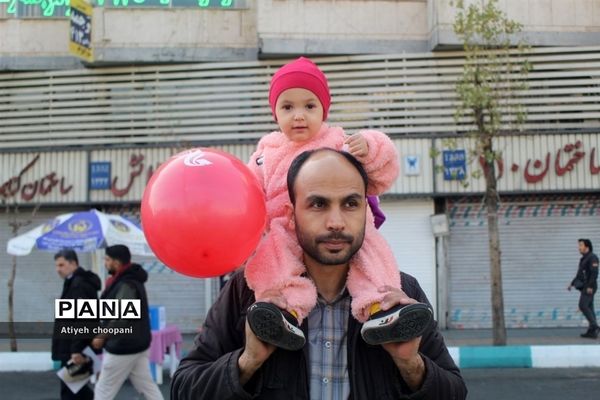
column 588, row 271
column 129, row 285
column 82, row 285
column 210, row 371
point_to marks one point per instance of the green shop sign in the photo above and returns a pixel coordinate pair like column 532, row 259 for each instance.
column 61, row 9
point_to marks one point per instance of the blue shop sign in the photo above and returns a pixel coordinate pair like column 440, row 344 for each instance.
column 99, row 175
column 455, row 165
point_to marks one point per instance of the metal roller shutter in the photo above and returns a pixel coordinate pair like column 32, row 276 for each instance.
column 36, row 282
column 538, row 240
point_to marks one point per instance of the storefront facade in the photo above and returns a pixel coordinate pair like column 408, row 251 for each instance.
column 71, row 140
column 550, row 198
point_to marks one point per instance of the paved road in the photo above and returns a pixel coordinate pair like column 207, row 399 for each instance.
column 484, row 384
column 45, row 386
column 533, row 384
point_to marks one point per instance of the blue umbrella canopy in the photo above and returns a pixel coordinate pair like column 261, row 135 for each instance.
column 84, row 231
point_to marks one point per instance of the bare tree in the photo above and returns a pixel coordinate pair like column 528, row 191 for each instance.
column 16, row 223
column 494, row 70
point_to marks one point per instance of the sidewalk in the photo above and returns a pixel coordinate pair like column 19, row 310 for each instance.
column 518, row 337
column 527, row 348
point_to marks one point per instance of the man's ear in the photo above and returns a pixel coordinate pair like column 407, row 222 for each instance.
column 289, row 213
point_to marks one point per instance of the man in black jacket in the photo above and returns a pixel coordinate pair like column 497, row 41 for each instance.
column 78, row 284
column 328, row 212
column 586, row 282
column 125, row 355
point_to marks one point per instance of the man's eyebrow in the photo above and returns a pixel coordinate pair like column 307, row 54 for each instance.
column 352, row 196
column 355, row 196
column 315, row 197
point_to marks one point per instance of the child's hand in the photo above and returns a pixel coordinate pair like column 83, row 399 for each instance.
column 357, row 145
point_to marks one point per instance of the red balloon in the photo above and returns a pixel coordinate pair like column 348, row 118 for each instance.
column 203, row 212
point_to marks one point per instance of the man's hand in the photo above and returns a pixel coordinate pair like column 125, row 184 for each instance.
column 98, row 343
column 357, row 145
column 589, row 290
column 405, row 354
column 256, row 352
column 78, row 358
column 254, row 355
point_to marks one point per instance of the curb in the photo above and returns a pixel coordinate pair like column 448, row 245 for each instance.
column 556, row 356
column 36, row 361
column 26, row 361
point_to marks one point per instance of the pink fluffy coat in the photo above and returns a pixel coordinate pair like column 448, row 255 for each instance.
column 277, row 263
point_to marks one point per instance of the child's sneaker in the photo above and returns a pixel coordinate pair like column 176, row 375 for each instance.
column 398, row 324
column 275, row 326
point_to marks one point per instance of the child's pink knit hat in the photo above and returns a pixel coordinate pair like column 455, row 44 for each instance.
column 301, row 73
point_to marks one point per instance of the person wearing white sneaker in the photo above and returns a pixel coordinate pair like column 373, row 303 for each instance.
column 328, row 209
column 125, row 355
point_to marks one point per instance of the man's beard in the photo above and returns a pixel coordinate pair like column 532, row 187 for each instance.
column 311, row 246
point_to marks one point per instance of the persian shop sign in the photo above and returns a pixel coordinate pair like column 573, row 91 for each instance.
column 541, row 162
column 455, row 164
column 61, row 9
column 22, row 187
column 565, row 160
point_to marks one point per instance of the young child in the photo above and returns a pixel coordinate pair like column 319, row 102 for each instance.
column 299, row 98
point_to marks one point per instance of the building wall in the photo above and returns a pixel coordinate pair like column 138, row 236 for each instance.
column 342, row 27
column 140, row 35
column 132, row 35
column 272, row 28
column 545, row 22
column 35, row 44
column 400, row 94
column 408, row 232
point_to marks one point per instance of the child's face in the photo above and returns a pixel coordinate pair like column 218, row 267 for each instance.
column 299, row 114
